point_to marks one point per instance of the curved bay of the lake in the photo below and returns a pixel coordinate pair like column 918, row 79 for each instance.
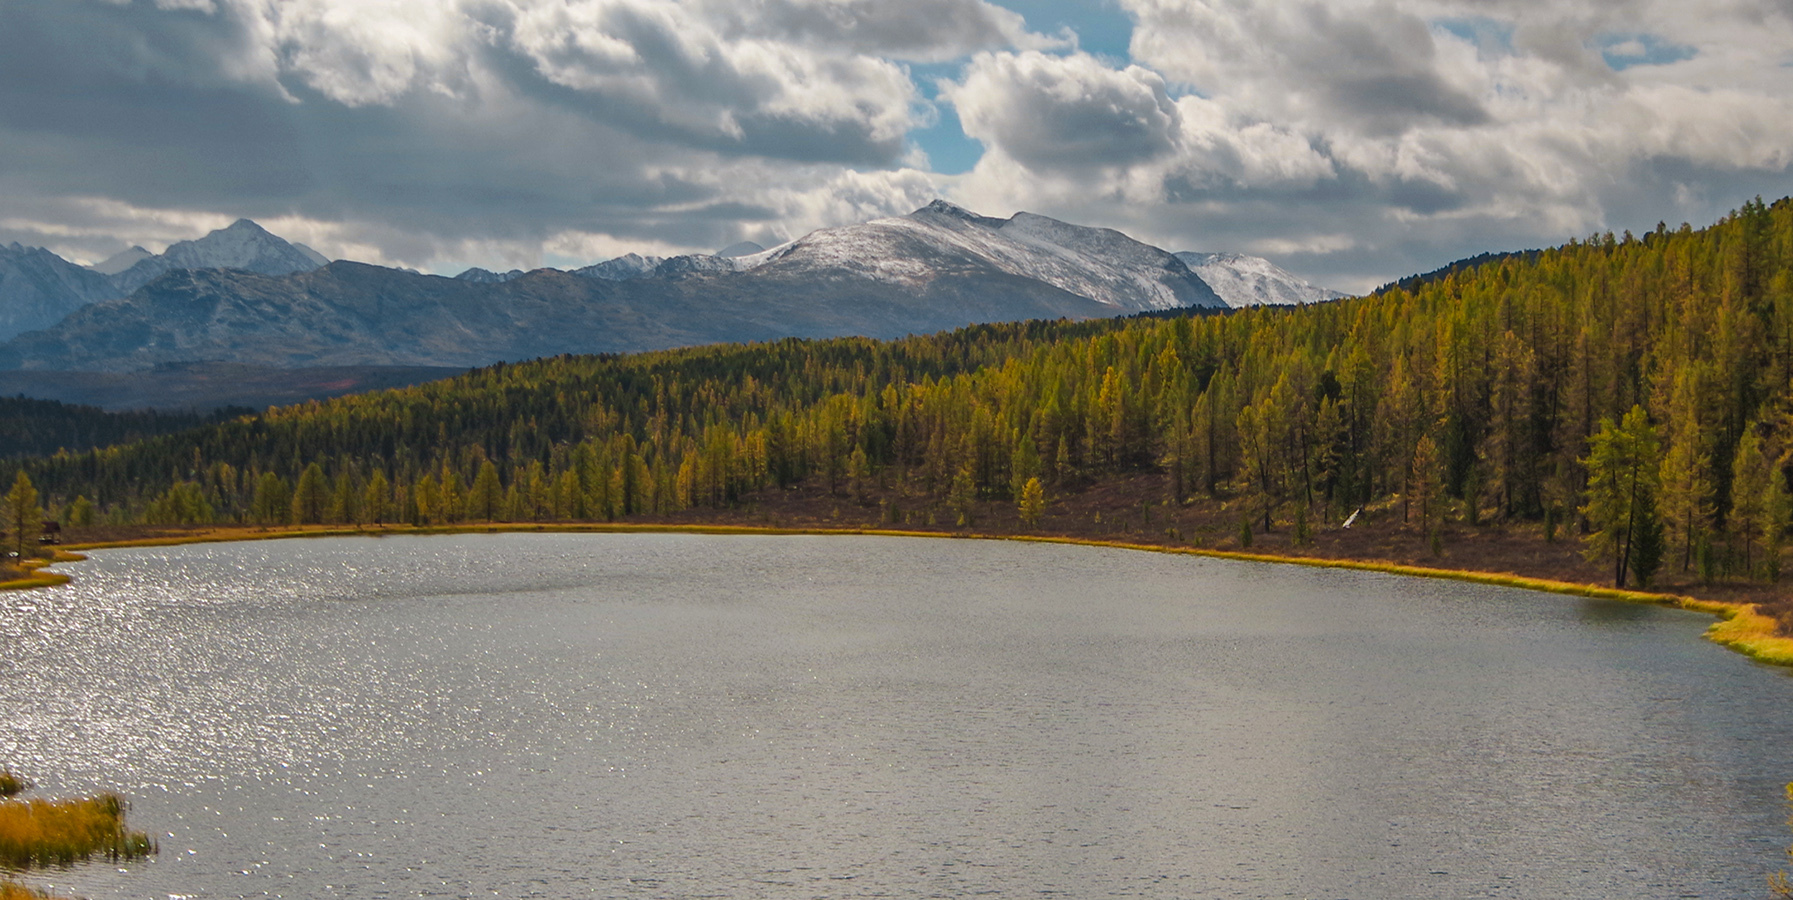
column 664, row 715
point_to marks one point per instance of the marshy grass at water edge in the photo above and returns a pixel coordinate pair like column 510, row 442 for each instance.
column 62, row 832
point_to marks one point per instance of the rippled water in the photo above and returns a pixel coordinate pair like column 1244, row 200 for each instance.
column 689, row 716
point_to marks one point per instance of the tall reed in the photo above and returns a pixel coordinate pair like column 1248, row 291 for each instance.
column 62, row 832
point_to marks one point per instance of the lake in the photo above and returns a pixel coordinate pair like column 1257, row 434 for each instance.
column 665, row 715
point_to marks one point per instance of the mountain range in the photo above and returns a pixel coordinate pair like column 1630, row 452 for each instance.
column 244, row 296
column 39, row 289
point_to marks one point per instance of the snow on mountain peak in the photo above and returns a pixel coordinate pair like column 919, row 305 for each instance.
column 941, row 239
column 1243, row 280
column 242, row 245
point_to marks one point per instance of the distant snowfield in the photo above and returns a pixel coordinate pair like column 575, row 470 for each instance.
column 1254, row 281
column 1101, row 264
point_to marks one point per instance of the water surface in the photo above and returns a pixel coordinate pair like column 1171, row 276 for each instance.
column 708, row 716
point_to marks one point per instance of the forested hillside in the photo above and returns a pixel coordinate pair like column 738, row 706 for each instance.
column 30, row 427
column 1500, row 393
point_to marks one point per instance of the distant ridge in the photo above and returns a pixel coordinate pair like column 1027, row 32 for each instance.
column 937, row 268
column 1413, row 282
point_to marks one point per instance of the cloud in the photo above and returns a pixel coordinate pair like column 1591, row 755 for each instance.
column 1058, row 112
column 412, row 132
column 1357, row 139
column 1364, row 139
column 914, row 30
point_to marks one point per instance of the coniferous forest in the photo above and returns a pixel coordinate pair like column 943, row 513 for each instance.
column 1634, row 392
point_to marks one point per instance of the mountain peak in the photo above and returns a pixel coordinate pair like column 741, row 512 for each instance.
column 241, row 245
column 947, row 210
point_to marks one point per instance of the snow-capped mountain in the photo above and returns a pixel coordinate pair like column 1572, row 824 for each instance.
column 120, row 261
column 1100, row 264
column 937, row 268
column 1253, row 281
column 244, row 245
column 38, row 288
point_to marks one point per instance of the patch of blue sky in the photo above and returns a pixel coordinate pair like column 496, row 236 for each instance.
column 949, row 151
column 1101, row 26
column 1491, row 36
column 1625, row 51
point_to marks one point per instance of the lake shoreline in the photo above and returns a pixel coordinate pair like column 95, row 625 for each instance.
column 1740, row 628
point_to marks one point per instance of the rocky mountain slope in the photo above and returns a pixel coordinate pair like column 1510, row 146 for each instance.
column 353, row 314
column 244, row 245
column 39, row 288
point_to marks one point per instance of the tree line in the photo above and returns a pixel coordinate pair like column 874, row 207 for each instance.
column 1635, row 391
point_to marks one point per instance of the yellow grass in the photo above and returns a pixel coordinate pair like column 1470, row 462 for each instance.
column 62, row 832
column 12, row 890
column 33, row 578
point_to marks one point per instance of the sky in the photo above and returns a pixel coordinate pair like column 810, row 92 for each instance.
column 1351, row 141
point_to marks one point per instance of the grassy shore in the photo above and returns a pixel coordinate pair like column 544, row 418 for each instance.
column 62, row 832
column 12, row 890
column 1741, row 627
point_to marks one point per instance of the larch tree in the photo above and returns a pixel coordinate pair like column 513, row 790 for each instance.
column 1686, row 485
column 1032, row 504
column 1752, row 482
column 24, row 518
column 1623, row 466
column 311, row 496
